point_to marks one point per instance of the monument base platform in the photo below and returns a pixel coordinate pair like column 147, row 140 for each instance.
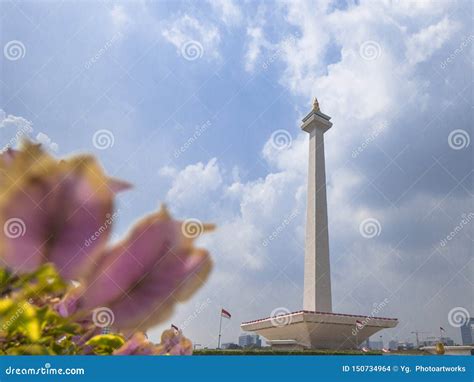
column 317, row 330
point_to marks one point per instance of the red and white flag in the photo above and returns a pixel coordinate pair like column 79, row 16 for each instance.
column 225, row 314
column 359, row 324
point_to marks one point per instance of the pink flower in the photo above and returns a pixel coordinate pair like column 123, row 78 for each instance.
column 174, row 343
column 138, row 344
column 142, row 277
column 49, row 208
column 61, row 208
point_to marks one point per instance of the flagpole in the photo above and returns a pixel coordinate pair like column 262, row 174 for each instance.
column 220, row 327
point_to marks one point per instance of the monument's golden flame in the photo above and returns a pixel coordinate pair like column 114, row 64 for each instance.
column 316, row 105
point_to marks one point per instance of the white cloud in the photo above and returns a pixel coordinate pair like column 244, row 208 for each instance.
column 423, row 44
column 13, row 129
column 120, row 17
column 360, row 89
column 168, row 171
column 193, row 185
column 368, row 78
column 9, row 121
column 228, row 11
column 189, row 29
column 46, row 141
column 255, row 45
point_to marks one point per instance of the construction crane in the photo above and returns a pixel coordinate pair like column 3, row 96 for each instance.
column 416, row 332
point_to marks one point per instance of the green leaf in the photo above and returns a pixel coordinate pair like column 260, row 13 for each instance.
column 45, row 280
column 29, row 350
column 19, row 317
column 5, row 279
column 103, row 344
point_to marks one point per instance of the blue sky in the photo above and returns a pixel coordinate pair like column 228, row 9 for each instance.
column 196, row 97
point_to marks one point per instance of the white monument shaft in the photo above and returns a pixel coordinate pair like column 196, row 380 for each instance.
column 317, row 326
column 317, row 275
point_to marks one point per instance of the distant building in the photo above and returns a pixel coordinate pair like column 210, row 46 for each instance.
column 230, row 345
column 393, row 345
column 432, row 341
column 376, row 345
column 467, row 332
column 405, row 346
column 250, row 340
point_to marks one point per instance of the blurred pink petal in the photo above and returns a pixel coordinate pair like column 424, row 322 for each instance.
column 138, row 344
column 7, row 156
column 142, row 277
column 174, row 343
column 68, row 304
column 54, row 211
column 118, row 185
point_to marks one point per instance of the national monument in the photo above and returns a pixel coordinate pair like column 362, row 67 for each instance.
column 317, row 326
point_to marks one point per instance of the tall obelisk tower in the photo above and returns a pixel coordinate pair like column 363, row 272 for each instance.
column 317, row 327
column 317, row 277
